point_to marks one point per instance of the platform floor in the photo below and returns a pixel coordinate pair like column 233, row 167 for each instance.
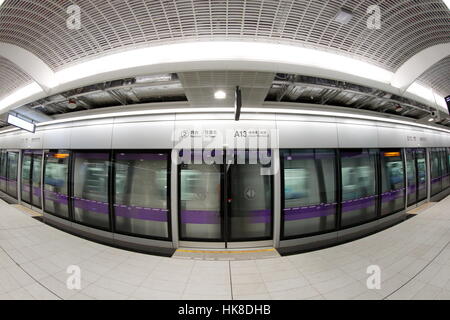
column 414, row 258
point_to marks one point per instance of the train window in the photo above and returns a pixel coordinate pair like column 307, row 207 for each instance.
column 309, row 191
column 436, row 180
column 13, row 164
column 359, row 192
column 90, row 188
column 392, row 181
column 3, row 166
column 56, row 183
column 141, row 194
column 421, row 174
column 26, row 176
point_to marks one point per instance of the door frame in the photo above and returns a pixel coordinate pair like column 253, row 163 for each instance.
column 224, row 242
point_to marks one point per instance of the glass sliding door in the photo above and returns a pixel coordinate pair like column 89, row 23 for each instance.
column 90, row 188
column 422, row 175
column 436, row 179
column 3, row 166
column 201, row 202
column 27, row 160
column 309, row 179
column 392, row 181
column 411, row 174
column 249, row 203
column 31, row 177
column 359, row 186
column 56, row 183
column 36, row 180
column 444, row 169
column 141, row 204
column 225, row 203
column 12, row 173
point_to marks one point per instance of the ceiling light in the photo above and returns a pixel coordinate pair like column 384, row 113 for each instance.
column 1, row 2
column 431, row 119
column 220, row 95
column 343, row 16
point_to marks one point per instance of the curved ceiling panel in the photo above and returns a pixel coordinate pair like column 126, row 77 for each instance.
column 11, row 77
column 438, row 77
column 408, row 26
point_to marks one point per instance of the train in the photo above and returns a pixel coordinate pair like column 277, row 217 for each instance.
column 299, row 179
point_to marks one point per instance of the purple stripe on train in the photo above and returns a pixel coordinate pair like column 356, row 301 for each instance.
column 200, row 217
column 141, row 213
column 91, row 205
column 392, row 195
column 213, row 217
column 308, row 212
column 357, row 204
column 92, row 156
column 57, row 197
column 140, row 156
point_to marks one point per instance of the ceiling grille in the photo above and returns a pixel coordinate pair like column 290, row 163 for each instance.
column 11, row 77
column 201, row 86
column 408, row 26
column 438, row 77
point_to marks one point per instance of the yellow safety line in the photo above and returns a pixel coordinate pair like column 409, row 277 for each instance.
column 228, row 251
column 27, row 210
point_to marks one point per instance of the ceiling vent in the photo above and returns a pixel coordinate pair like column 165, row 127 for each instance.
column 343, row 16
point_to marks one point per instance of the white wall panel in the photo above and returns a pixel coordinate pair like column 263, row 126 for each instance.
column 357, row 134
column 226, row 130
column 57, row 139
column 300, row 134
column 391, row 137
column 145, row 135
column 32, row 141
column 91, row 137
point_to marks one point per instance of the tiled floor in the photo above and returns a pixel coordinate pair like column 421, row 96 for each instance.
column 414, row 258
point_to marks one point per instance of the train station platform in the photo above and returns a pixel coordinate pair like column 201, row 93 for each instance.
column 413, row 256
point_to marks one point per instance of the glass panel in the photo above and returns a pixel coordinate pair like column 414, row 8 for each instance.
column 444, row 169
column 421, row 174
column 141, row 194
column 250, row 192
column 411, row 174
column 36, row 181
column 56, row 183
column 358, row 186
column 26, row 177
column 392, row 182
column 200, row 202
column 13, row 164
column 3, row 164
column 436, row 179
column 309, row 191
column 90, row 193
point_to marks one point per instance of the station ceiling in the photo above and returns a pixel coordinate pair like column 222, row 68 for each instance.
column 40, row 27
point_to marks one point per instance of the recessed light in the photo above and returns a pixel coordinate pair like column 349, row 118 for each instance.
column 220, row 95
column 431, row 119
column 343, row 16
